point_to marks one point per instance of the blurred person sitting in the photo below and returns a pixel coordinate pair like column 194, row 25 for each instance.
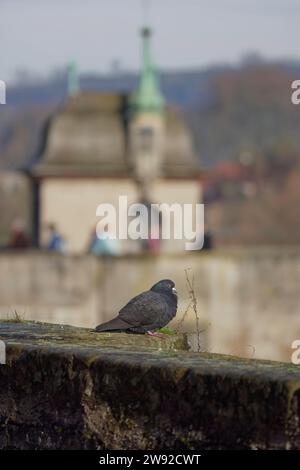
column 101, row 244
column 208, row 241
column 18, row 240
column 56, row 242
column 152, row 244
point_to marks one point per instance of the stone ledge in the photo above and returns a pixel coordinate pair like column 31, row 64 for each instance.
column 61, row 389
column 66, row 337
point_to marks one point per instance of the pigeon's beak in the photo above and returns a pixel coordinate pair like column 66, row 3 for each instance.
column 174, row 291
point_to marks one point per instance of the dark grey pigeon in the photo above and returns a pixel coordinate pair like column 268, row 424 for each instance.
column 146, row 312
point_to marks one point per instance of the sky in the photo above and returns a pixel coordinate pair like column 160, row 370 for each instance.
column 42, row 36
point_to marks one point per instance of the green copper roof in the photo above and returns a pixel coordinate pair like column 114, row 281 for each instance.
column 73, row 79
column 148, row 97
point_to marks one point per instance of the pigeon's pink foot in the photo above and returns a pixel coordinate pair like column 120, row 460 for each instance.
column 158, row 335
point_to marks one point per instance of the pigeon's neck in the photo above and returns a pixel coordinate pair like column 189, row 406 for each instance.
column 171, row 297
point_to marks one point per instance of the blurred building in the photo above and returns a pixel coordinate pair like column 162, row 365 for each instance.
column 99, row 146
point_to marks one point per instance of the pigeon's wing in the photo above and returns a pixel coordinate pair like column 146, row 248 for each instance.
column 144, row 310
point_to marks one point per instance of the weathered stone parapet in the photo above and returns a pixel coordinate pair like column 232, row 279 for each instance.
column 244, row 307
column 69, row 388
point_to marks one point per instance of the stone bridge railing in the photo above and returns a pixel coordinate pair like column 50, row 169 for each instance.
column 70, row 388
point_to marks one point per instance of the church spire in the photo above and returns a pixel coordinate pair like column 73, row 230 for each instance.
column 73, row 86
column 148, row 97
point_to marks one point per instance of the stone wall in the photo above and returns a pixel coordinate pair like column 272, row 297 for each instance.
column 69, row 388
column 248, row 300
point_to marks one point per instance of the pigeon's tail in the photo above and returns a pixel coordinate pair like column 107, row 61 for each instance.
column 113, row 325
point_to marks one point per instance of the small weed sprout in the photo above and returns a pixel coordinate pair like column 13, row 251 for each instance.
column 192, row 304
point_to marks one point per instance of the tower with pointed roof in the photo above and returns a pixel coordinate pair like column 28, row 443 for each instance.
column 147, row 123
column 148, row 98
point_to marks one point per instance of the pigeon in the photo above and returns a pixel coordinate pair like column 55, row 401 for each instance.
column 147, row 312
